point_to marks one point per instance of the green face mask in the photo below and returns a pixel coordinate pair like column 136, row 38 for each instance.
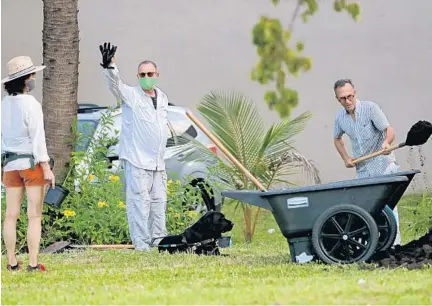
column 147, row 83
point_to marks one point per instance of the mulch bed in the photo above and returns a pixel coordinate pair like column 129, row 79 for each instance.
column 416, row 254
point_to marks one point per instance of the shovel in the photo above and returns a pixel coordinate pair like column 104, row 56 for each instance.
column 417, row 135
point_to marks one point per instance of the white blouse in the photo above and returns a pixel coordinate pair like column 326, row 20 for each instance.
column 22, row 130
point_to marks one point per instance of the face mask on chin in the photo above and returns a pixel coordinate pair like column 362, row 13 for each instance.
column 148, row 83
column 30, row 84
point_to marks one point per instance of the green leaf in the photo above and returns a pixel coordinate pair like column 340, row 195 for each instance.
column 299, row 46
column 354, row 10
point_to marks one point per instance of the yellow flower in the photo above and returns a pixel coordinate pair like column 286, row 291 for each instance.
column 102, row 204
column 91, row 177
column 69, row 213
column 114, row 178
column 192, row 213
column 172, row 183
column 121, row 204
column 177, row 215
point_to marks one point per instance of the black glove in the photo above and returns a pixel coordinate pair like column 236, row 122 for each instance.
column 107, row 54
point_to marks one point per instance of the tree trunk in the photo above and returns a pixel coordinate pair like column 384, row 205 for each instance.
column 60, row 79
column 248, row 222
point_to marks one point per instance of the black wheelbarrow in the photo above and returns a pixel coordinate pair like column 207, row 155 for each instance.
column 342, row 222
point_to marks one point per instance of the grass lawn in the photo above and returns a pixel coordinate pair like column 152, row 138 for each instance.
column 256, row 274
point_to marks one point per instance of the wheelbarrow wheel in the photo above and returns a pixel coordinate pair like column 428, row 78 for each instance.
column 387, row 228
column 345, row 234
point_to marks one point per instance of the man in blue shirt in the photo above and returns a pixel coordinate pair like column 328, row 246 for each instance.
column 368, row 130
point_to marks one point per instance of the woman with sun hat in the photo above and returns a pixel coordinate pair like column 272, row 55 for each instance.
column 25, row 161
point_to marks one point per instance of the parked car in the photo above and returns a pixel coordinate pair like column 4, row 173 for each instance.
column 179, row 124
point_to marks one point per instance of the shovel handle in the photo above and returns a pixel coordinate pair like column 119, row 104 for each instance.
column 375, row 154
column 225, row 151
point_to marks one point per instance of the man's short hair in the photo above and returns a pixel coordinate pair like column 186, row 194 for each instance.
column 147, row 62
column 342, row 83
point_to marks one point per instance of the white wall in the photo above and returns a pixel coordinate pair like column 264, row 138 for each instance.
column 202, row 45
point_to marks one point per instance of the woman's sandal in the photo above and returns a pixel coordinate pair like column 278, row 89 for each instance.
column 39, row 267
column 17, row 267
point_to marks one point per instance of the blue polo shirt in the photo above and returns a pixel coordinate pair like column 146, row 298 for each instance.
column 367, row 134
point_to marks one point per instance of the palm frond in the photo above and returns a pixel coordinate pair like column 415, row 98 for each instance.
column 278, row 156
column 235, row 121
column 280, row 136
column 291, row 163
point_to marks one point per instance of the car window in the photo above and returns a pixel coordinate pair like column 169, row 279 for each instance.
column 86, row 128
column 179, row 126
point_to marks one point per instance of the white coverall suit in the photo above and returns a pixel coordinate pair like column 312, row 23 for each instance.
column 142, row 146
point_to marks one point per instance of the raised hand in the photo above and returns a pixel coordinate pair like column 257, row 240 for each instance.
column 108, row 53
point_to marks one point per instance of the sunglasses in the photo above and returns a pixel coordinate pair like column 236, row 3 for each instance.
column 148, row 74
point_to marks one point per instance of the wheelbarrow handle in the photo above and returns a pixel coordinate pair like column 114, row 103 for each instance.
column 378, row 153
column 225, row 151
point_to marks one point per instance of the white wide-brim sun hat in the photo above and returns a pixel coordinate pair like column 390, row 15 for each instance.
column 20, row 66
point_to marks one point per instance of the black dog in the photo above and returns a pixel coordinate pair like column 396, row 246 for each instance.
column 200, row 238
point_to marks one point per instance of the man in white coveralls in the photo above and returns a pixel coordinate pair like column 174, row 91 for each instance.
column 142, row 146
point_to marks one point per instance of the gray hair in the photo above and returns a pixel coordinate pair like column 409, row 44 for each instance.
column 341, row 83
column 147, row 62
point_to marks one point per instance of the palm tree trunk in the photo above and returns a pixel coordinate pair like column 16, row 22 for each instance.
column 255, row 221
column 248, row 223
column 60, row 79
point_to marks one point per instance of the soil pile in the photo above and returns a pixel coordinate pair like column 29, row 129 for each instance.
column 413, row 255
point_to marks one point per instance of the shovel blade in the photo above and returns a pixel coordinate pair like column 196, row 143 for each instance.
column 419, row 133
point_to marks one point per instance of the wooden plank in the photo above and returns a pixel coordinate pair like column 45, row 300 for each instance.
column 104, row 246
column 111, row 246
